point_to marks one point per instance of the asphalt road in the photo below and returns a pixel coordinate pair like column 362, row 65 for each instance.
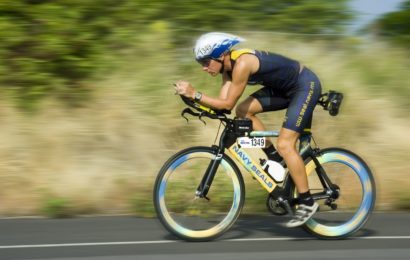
column 386, row 236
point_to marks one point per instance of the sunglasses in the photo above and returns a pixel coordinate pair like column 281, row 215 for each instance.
column 206, row 61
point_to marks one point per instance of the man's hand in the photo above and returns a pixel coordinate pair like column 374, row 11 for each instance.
column 184, row 88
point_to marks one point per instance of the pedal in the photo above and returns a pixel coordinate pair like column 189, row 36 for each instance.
column 275, row 207
column 287, row 206
column 330, row 203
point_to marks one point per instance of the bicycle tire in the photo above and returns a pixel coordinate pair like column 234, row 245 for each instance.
column 160, row 190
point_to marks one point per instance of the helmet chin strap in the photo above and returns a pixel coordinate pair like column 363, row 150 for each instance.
column 221, row 70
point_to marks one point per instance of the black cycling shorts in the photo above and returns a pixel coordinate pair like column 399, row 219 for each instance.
column 300, row 101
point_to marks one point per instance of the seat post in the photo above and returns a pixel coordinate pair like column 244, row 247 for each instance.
column 304, row 141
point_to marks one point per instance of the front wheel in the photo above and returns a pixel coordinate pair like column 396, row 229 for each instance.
column 346, row 213
column 185, row 214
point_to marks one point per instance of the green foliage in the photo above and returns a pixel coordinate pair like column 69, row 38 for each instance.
column 142, row 205
column 57, row 208
column 56, row 47
column 52, row 47
column 289, row 16
column 402, row 201
column 396, row 25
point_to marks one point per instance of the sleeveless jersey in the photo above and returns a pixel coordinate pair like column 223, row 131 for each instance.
column 275, row 71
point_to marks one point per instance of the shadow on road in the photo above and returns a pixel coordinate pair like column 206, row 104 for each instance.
column 269, row 226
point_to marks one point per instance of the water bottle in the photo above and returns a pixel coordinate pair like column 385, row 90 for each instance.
column 274, row 169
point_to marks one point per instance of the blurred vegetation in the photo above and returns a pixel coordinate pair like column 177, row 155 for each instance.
column 97, row 76
column 402, row 201
column 396, row 25
column 56, row 47
column 57, row 208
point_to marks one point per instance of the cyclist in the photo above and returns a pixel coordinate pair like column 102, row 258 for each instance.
column 286, row 84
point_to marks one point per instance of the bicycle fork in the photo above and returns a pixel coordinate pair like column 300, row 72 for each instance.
column 206, row 182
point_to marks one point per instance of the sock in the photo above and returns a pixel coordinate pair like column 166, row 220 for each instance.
column 306, row 198
column 272, row 154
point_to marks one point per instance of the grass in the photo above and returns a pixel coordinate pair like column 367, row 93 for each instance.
column 402, row 201
column 57, row 208
column 133, row 125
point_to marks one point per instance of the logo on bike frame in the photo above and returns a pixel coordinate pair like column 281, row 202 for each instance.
column 254, row 169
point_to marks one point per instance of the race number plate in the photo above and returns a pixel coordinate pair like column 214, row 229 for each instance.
column 254, row 142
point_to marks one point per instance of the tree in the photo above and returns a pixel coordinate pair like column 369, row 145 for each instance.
column 51, row 47
column 298, row 16
column 396, row 25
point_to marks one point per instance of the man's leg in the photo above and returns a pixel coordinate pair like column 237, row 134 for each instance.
column 262, row 101
column 286, row 146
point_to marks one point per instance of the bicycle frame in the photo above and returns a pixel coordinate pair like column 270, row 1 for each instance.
column 254, row 168
column 242, row 157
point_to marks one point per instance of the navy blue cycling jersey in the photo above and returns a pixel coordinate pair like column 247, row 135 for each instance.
column 275, row 71
column 284, row 87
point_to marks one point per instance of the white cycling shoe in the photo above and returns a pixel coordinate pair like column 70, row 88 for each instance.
column 303, row 213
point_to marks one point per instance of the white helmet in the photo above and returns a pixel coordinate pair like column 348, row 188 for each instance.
column 213, row 45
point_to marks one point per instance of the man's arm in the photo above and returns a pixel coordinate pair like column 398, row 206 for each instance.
column 226, row 83
column 231, row 91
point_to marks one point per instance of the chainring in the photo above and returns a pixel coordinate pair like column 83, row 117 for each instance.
column 274, row 207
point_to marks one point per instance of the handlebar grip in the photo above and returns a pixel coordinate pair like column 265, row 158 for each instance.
column 223, row 111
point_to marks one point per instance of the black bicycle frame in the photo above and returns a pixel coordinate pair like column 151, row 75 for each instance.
column 330, row 190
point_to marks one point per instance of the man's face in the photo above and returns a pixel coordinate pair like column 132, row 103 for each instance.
column 213, row 67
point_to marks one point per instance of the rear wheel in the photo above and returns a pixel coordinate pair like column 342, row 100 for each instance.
column 348, row 211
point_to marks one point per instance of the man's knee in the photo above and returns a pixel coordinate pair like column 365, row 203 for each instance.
column 248, row 108
column 285, row 146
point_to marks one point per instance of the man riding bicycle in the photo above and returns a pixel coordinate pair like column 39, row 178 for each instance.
column 286, row 84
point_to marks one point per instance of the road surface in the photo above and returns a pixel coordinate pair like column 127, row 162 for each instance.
column 386, row 236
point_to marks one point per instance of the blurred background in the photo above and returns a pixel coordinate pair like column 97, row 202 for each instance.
column 88, row 113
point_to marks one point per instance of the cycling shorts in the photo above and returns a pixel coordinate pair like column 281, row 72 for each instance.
column 299, row 100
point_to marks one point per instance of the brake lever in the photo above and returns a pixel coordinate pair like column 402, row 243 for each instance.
column 189, row 111
column 200, row 118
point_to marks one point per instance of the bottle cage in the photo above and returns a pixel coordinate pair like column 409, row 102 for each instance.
column 331, row 102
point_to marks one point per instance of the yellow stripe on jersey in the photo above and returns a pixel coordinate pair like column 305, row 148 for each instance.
column 235, row 54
